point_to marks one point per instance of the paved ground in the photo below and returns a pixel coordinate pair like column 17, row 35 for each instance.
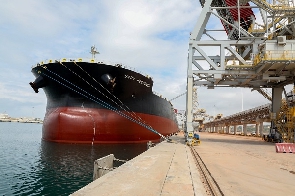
column 244, row 165
column 166, row 169
column 241, row 165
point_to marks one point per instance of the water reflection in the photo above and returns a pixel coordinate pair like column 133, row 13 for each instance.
column 65, row 168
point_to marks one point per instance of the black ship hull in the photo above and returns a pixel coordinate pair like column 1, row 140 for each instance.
column 101, row 103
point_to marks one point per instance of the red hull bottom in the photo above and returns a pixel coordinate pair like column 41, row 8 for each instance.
column 88, row 125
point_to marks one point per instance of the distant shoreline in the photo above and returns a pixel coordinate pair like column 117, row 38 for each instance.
column 6, row 118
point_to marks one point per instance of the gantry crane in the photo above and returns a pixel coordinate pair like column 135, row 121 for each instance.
column 257, row 50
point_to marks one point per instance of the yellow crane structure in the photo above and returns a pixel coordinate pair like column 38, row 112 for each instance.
column 285, row 119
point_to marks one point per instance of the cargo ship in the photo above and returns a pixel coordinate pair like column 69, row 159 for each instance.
column 92, row 101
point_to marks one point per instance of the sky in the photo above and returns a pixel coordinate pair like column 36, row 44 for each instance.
column 151, row 36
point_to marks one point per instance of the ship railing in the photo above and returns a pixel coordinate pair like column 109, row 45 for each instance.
column 90, row 60
column 159, row 95
column 279, row 55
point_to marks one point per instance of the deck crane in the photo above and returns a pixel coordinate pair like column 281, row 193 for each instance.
column 256, row 49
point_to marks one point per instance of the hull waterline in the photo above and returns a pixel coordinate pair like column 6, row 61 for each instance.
column 76, row 125
column 94, row 102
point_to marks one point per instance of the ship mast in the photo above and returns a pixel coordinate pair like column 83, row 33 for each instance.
column 93, row 52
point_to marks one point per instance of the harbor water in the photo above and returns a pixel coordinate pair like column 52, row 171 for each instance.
column 30, row 166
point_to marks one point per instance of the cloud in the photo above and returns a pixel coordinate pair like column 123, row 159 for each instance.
column 149, row 35
column 146, row 35
column 122, row 34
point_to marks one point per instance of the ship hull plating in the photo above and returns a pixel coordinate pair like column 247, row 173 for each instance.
column 101, row 103
column 76, row 125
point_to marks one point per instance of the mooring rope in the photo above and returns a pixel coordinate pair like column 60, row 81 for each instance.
column 102, row 103
column 119, row 105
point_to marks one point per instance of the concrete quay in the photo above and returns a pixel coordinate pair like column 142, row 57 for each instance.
column 166, row 169
column 243, row 165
